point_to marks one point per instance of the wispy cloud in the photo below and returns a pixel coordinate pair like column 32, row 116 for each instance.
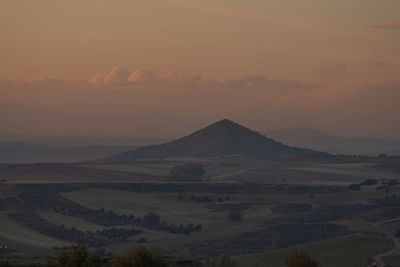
column 119, row 101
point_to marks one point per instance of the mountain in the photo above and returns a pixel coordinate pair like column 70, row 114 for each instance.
column 221, row 138
column 321, row 141
column 21, row 152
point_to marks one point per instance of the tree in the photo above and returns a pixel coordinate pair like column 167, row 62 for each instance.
column 300, row 259
column 151, row 218
column 139, row 257
column 369, row 182
column 79, row 256
column 354, row 187
column 190, row 172
column 235, row 216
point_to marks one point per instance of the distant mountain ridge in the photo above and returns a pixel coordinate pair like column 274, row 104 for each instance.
column 221, row 138
column 77, row 140
column 321, row 141
column 22, row 152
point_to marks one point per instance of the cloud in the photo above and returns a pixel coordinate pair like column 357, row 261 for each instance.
column 118, row 76
column 144, row 103
column 391, row 25
column 115, row 76
column 143, row 76
column 173, row 76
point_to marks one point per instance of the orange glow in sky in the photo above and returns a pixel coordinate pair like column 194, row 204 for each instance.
column 165, row 67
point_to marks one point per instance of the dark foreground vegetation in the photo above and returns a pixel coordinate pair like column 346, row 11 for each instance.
column 81, row 256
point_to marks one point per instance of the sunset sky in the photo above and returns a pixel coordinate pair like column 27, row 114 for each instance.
column 163, row 68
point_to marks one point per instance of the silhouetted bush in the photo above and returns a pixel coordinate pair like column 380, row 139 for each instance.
column 369, row 182
column 151, row 218
column 140, row 257
column 354, row 187
column 300, row 259
column 80, row 256
column 190, row 172
column 235, row 216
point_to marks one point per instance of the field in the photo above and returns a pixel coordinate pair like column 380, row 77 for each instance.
column 286, row 205
column 125, row 202
column 361, row 170
column 346, row 251
column 70, row 221
column 12, row 230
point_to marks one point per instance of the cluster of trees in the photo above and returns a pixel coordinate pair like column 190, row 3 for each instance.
column 205, row 198
column 369, row 182
column 190, row 172
column 357, row 187
column 152, row 221
column 80, row 256
column 235, row 216
column 386, row 184
column 297, row 259
column 301, row 259
column 149, row 221
column 98, row 238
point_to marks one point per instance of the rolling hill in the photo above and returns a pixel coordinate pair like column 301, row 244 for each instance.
column 221, row 138
column 321, row 141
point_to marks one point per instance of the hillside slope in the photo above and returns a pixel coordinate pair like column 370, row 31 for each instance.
column 221, row 138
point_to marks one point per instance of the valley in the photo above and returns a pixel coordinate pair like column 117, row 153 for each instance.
column 285, row 203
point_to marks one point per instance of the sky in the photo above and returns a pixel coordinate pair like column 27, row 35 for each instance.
column 163, row 68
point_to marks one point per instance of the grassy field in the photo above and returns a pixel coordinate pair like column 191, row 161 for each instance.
column 147, row 169
column 154, row 167
column 348, row 251
column 362, row 170
column 170, row 209
column 11, row 230
column 69, row 221
column 24, row 260
column 223, row 177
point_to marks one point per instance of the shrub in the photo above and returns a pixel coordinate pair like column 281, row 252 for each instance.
column 369, row 182
column 354, row 187
column 300, row 259
column 79, row 256
column 151, row 218
column 235, row 216
column 190, row 172
column 139, row 257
